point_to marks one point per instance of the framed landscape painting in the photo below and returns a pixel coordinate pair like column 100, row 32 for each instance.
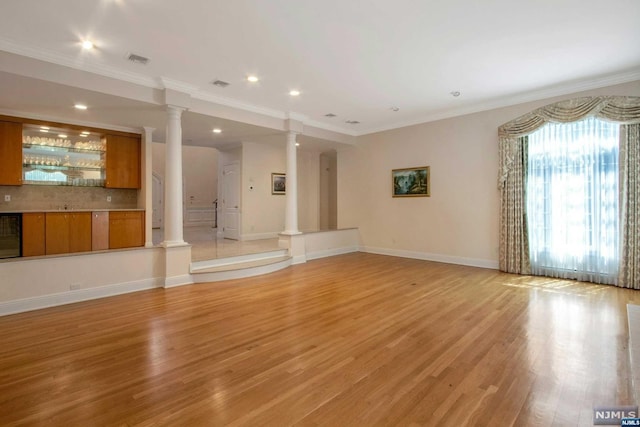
column 411, row 182
column 278, row 183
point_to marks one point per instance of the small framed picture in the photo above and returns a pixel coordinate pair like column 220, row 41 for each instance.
column 411, row 182
column 278, row 183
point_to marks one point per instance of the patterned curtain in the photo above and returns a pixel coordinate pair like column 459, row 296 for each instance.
column 514, row 239
column 514, row 249
column 629, row 276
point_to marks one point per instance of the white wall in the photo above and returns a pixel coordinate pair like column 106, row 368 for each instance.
column 199, row 169
column 308, row 163
column 459, row 222
column 328, row 191
column 262, row 212
column 31, row 283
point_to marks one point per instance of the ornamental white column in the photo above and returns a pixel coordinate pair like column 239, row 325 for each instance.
column 291, row 214
column 173, row 179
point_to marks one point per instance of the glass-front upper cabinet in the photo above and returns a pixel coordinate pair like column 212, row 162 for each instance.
column 57, row 156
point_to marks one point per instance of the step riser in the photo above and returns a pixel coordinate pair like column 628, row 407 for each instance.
column 202, row 265
column 240, row 273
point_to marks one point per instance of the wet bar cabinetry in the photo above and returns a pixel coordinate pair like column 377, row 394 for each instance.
column 75, row 160
column 122, row 161
column 33, row 243
column 10, row 153
column 67, row 232
column 54, row 233
column 99, row 231
column 46, row 153
column 126, row 229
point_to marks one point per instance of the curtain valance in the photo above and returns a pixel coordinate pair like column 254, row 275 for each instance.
column 619, row 109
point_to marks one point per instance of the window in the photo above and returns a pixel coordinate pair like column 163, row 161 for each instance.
column 572, row 200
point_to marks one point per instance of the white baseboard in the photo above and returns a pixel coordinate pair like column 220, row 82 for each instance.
column 198, row 224
column 331, row 252
column 299, row 259
column 78, row 295
column 172, row 282
column 259, row 236
column 448, row 259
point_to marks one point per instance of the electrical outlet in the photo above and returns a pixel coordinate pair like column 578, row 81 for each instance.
column 109, row 199
column 75, row 287
column 7, row 197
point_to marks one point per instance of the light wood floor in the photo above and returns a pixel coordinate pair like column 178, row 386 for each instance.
column 352, row 340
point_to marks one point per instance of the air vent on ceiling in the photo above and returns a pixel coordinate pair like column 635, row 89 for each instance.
column 137, row 59
column 220, row 83
column 352, row 122
column 329, row 115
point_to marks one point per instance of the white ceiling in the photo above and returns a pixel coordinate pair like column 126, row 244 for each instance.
column 355, row 59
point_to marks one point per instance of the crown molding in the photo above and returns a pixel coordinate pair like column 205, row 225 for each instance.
column 292, row 115
column 521, row 98
column 177, row 85
column 197, row 93
column 70, row 62
column 57, row 119
column 331, row 128
column 233, row 103
column 156, row 83
column 159, row 83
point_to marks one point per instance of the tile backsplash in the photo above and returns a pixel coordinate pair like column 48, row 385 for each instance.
column 44, row 197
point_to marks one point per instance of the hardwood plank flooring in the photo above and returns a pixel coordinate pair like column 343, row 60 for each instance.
column 351, row 340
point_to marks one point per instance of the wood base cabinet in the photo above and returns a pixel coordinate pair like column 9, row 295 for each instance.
column 126, row 229
column 33, row 234
column 67, row 232
column 100, row 231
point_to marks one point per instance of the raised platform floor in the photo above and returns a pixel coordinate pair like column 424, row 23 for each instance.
column 205, row 245
column 215, row 259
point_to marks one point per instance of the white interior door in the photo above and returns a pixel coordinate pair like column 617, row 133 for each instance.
column 157, row 195
column 231, row 201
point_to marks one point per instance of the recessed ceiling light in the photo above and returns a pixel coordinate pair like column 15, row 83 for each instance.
column 394, row 109
column 80, row 107
column 297, row 144
column 252, row 79
column 62, row 135
column 85, row 132
column 330, row 115
column 352, row 122
column 217, row 130
column 87, row 44
column 455, row 93
column 294, row 92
